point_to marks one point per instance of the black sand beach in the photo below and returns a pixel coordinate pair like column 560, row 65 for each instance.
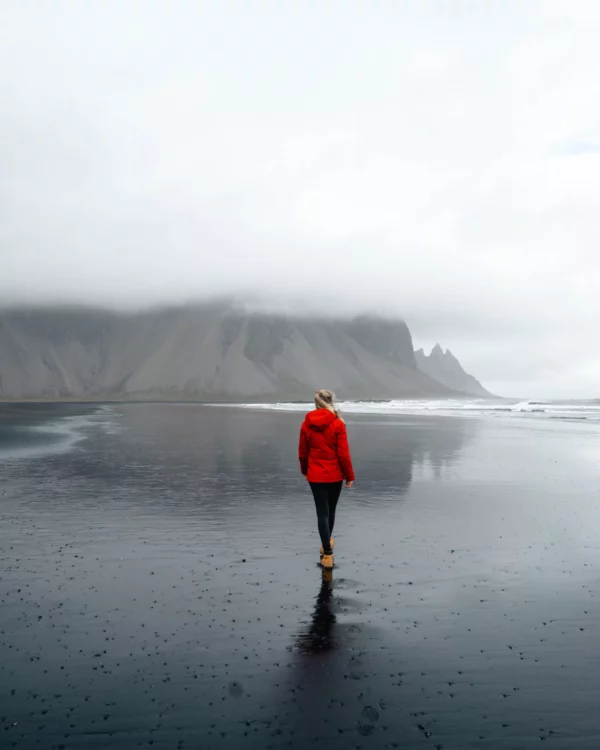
column 159, row 583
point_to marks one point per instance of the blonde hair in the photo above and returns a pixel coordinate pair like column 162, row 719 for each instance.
column 324, row 400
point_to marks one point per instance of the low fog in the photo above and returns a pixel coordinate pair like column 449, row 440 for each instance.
column 435, row 161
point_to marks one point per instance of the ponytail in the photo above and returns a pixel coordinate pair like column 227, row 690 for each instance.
column 324, row 400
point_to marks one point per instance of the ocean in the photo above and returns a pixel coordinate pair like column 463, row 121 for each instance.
column 585, row 410
column 160, row 586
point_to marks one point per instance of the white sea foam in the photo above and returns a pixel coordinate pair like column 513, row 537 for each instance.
column 450, row 407
column 64, row 433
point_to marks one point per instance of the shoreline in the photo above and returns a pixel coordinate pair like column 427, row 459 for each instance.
column 250, row 400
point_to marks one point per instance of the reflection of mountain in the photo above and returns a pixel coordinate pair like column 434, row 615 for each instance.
column 206, row 352
column 256, row 450
column 240, row 465
column 387, row 449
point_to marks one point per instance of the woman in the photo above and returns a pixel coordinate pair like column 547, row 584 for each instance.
column 325, row 462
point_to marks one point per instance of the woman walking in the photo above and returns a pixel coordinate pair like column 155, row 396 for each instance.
column 325, row 462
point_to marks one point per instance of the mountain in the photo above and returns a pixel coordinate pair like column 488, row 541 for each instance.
column 207, row 352
column 446, row 369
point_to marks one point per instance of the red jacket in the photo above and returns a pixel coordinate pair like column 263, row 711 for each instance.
column 323, row 449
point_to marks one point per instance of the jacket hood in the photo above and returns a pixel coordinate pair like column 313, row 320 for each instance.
column 319, row 419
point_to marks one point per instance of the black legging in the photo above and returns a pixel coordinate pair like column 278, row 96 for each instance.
column 326, row 495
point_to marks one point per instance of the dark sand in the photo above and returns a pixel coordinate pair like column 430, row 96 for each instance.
column 159, row 584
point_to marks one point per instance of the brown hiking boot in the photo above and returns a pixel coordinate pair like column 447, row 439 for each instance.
column 332, row 544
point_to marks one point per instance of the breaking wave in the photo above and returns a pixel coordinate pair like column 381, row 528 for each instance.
column 482, row 407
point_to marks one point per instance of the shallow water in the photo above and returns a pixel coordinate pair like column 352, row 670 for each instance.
column 159, row 583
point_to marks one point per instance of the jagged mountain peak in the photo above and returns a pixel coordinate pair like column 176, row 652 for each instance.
column 446, row 368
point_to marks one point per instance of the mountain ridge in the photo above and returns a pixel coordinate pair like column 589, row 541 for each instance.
column 211, row 352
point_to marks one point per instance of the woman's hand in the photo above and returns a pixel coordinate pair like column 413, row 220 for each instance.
column 349, row 484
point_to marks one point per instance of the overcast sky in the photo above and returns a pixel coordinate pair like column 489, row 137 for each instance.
column 439, row 160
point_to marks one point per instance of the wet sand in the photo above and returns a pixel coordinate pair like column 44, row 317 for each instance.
column 159, row 585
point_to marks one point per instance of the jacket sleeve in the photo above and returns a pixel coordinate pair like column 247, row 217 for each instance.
column 343, row 452
column 303, row 450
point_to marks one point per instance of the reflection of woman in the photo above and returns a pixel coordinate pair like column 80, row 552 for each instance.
column 325, row 462
column 318, row 637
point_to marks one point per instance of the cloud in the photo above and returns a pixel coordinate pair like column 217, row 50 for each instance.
column 436, row 161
